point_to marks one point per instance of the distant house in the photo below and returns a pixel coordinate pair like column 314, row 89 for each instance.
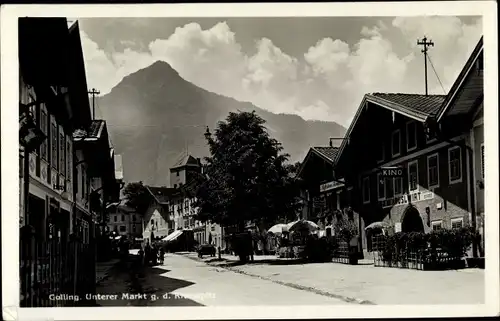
column 324, row 195
column 156, row 221
column 431, row 140
column 123, row 220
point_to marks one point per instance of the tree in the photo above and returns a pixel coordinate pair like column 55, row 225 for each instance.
column 138, row 197
column 247, row 179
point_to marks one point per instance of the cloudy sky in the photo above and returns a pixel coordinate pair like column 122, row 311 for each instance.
column 318, row 68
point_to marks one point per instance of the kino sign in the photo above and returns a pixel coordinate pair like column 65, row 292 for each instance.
column 393, row 171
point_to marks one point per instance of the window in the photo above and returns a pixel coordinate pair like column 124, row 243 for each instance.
column 398, row 186
column 133, row 228
column 44, row 147
column 366, row 190
column 123, row 218
column 396, row 143
column 176, row 173
column 433, row 170
column 339, row 197
column 62, row 158
column 381, row 187
column 437, row 225
column 76, row 183
column 457, row 223
column 381, row 156
column 413, row 176
column 69, row 159
column 455, row 164
column 115, row 218
column 431, row 137
column 83, row 183
column 389, row 188
column 411, row 136
column 53, row 134
column 133, row 218
column 482, row 161
column 123, row 228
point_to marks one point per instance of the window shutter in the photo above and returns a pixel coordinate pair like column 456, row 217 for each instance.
column 482, row 161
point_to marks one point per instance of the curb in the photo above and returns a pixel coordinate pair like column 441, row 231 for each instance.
column 291, row 285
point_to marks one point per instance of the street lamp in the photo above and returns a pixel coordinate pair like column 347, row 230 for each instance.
column 30, row 137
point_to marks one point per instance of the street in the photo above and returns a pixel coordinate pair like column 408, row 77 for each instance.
column 191, row 283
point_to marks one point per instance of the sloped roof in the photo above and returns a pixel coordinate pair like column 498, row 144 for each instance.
column 328, row 152
column 186, row 160
column 414, row 103
column 476, row 53
column 161, row 194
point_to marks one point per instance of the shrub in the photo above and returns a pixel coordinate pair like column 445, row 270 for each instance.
column 428, row 248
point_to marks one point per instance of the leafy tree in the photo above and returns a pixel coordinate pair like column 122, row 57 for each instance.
column 138, row 197
column 247, row 179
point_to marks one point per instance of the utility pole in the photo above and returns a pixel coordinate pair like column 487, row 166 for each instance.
column 426, row 44
column 93, row 92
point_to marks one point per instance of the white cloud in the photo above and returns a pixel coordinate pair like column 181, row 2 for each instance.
column 327, row 83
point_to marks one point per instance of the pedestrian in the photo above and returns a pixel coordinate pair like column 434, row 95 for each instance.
column 162, row 255
column 141, row 256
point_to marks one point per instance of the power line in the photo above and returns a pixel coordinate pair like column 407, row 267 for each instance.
column 435, row 72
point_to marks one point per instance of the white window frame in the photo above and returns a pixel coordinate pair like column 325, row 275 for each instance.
column 451, row 181
column 365, row 181
column 429, row 173
column 409, row 178
column 408, row 149
column 457, row 219
column 398, row 131
column 436, row 222
column 394, row 186
column 379, row 179
column 481, row 150
column 381, row 150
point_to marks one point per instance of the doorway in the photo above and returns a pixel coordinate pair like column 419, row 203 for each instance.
column 411, row 221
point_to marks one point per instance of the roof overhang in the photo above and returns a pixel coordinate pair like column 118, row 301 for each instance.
column 459, row 82
column 396, row 108
column 312, row 151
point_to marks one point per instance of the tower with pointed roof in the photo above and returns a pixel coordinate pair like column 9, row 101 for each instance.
column 184, row 171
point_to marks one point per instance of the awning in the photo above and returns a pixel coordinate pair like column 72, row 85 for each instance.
column 172, row 236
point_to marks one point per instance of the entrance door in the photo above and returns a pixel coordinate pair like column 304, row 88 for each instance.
column 412, row 222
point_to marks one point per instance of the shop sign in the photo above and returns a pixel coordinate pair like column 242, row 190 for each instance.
column 393, row 171
column 329, row 186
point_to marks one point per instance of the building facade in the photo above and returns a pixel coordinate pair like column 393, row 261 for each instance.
column 156, row 223
column 123, row 220
column 412, row 164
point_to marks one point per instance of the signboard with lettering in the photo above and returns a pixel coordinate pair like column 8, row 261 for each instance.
column 329, row 186
column 395, row 171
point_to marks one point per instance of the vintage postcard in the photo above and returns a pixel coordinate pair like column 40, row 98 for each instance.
column 241, row 161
